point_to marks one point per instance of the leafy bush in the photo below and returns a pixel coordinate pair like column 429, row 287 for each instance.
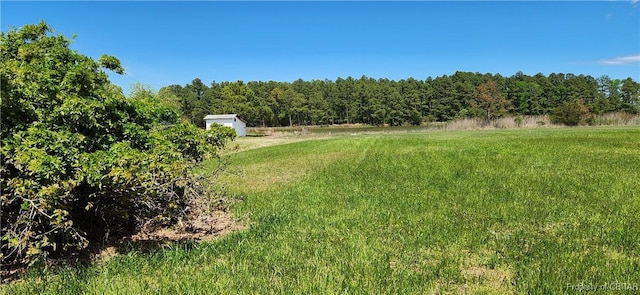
column 519, row 120
column 80, row 161
column 571, row 113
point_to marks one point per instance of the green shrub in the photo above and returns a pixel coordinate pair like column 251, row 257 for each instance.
column 571, row 113
column 80, row 161
column 518, row 120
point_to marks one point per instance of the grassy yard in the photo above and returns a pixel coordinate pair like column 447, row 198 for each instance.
column 537, row 211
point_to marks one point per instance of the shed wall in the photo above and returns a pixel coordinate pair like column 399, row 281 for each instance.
column 234, row 123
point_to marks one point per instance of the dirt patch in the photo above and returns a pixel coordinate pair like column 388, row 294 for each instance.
column 477, row 280
column 477, row 274
column 207, row 227
column 200, row 228
column 480, row 276
column 277, row 138
column 495, row 279
column 204, row 227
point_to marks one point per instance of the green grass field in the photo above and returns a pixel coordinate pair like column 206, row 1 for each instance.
column 539, row 211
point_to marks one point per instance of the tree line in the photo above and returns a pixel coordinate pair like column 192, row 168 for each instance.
column 408, row 101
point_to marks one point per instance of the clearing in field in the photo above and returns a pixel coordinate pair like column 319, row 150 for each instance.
column 540, row 211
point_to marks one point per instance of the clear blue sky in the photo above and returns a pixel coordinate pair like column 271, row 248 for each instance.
column 163, row 43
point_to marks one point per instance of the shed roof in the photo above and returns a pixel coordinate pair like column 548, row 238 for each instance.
column 223, row 116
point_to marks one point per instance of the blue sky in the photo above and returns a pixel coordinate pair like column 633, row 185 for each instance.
column 163, row 43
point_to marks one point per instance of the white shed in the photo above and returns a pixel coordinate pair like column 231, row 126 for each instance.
column 228, row 120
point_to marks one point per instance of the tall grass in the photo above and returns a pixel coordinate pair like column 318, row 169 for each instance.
column 536, row 211
column 540, row 121
column 508, row 122
column 616, row 119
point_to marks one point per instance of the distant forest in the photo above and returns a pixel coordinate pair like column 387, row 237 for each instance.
column 408, row 101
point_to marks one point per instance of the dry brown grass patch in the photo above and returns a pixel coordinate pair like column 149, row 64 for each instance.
column 252, row 177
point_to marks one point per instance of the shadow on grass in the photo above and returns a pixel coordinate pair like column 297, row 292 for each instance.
column 153, row 246
column 123, row 243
